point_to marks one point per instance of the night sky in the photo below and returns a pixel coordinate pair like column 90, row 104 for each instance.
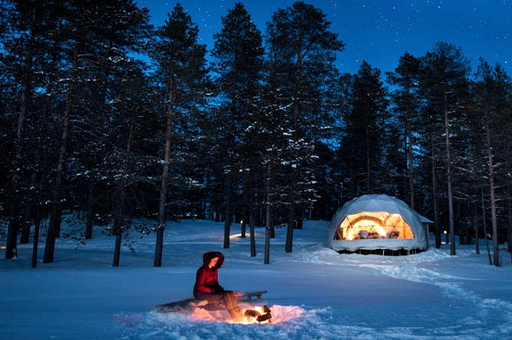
column 378, row 31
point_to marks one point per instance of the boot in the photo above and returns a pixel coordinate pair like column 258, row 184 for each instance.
column 236, row 314
column 232, row 307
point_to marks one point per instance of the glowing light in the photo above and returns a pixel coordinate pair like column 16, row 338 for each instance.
column 253, row 315
column 371, row 225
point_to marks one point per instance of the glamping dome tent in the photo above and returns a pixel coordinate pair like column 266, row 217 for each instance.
column 376, row 222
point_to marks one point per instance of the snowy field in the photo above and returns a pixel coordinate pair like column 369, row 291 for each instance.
column 313, row 292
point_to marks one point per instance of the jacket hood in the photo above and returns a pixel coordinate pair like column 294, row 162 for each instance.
column 210, row 255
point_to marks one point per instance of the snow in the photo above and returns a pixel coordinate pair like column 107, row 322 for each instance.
column 313, row 292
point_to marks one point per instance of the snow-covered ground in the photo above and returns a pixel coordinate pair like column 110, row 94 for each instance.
column 313, row 292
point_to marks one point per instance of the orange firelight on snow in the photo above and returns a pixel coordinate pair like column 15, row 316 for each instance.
column 253, row 315
column 279, row 314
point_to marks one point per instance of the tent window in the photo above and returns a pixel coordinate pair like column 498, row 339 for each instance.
column 372, row 225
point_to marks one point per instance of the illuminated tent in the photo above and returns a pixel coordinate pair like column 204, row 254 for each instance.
column 373, row 222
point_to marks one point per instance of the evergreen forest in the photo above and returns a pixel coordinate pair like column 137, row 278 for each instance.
column 107, row 116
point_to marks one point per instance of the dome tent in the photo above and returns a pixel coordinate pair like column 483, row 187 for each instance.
column 373, row 222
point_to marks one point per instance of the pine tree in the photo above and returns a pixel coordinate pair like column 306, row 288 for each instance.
column 407, row 106
column 238, row 54
column 268, row 140
column 492, row 90
column 362, row 147
column 444, row 86
column 129, row 109
column 181, row 76
column 302, row 51
column 28, row 27
column 97, row 34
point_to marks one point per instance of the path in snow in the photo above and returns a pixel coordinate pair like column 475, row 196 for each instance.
column 491, row 318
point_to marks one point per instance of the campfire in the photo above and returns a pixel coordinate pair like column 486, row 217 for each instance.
column 257, row 314
column 252, row 314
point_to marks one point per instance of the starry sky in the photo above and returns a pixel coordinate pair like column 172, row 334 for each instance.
column 378, row 31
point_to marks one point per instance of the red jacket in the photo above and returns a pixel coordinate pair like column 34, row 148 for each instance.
column 207, row 279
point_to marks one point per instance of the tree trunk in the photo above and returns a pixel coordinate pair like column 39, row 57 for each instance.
column 494, row 219
column 11, row 250
column 268, row 219
column 119, row 213
column 484, row 225
column 56, row 211
column 15, row 221
column 14, row 211
column 437, row 227
column 289, row 229
column 90, row 211
column 165, row 175
column 245, row 210
column 54, row 225
column 243, row 228
column 228, row 212
column 410, row 162
column 159, row 246
column 117, row 248
column 117, row 230
column 227, row 232
column 475, row 223
column 449, row 176
column 35, row 245
column 25, row 225
column 252, row 235
column 25, row 230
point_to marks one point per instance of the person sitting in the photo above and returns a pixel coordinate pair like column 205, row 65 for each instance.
column 207, row 285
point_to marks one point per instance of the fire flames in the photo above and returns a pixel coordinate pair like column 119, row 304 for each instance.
column 260, row 314
column 279, row 314
column 254, row 314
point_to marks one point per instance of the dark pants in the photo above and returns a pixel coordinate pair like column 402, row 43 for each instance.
column 227, row 298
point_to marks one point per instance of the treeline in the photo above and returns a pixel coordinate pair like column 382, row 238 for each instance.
column 105, row 114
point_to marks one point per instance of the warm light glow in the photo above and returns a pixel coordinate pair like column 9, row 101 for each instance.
column 279, row 313
column 373, row 225
column 248, row 320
